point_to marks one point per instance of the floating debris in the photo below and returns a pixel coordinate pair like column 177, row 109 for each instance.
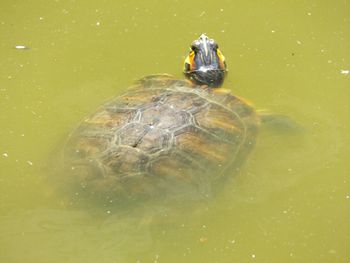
column 21, row 47
column 345, row 71
column 30, row 163
column 5, row 155
column 203, row 239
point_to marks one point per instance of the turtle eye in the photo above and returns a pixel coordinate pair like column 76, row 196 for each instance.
column 194, row 48
column 213, row 44
column 195, row 45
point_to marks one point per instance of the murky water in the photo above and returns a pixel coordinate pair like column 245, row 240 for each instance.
column 289, row 203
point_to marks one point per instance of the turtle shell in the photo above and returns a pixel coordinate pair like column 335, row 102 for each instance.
column 163, row 137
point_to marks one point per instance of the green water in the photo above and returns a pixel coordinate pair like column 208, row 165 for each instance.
column 289, row 203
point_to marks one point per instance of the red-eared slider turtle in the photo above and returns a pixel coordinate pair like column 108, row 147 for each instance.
column 164, row 137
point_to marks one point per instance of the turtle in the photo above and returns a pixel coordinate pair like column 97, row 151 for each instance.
column 164, row 137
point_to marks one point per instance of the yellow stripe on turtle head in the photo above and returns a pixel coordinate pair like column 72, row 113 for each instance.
column 189, row 62
column 221, row 59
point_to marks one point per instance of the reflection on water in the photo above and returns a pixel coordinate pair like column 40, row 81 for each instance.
column 289, row 203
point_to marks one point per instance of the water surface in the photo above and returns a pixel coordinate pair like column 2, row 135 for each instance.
column 289, row 203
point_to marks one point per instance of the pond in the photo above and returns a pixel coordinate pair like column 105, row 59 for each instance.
column 290, row 202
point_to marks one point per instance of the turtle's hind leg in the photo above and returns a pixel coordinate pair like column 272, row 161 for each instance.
column 279, row 122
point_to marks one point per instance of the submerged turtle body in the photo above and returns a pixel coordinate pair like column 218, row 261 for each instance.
column 165, row 136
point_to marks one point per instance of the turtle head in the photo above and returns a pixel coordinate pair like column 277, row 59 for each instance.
column 205, row 64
